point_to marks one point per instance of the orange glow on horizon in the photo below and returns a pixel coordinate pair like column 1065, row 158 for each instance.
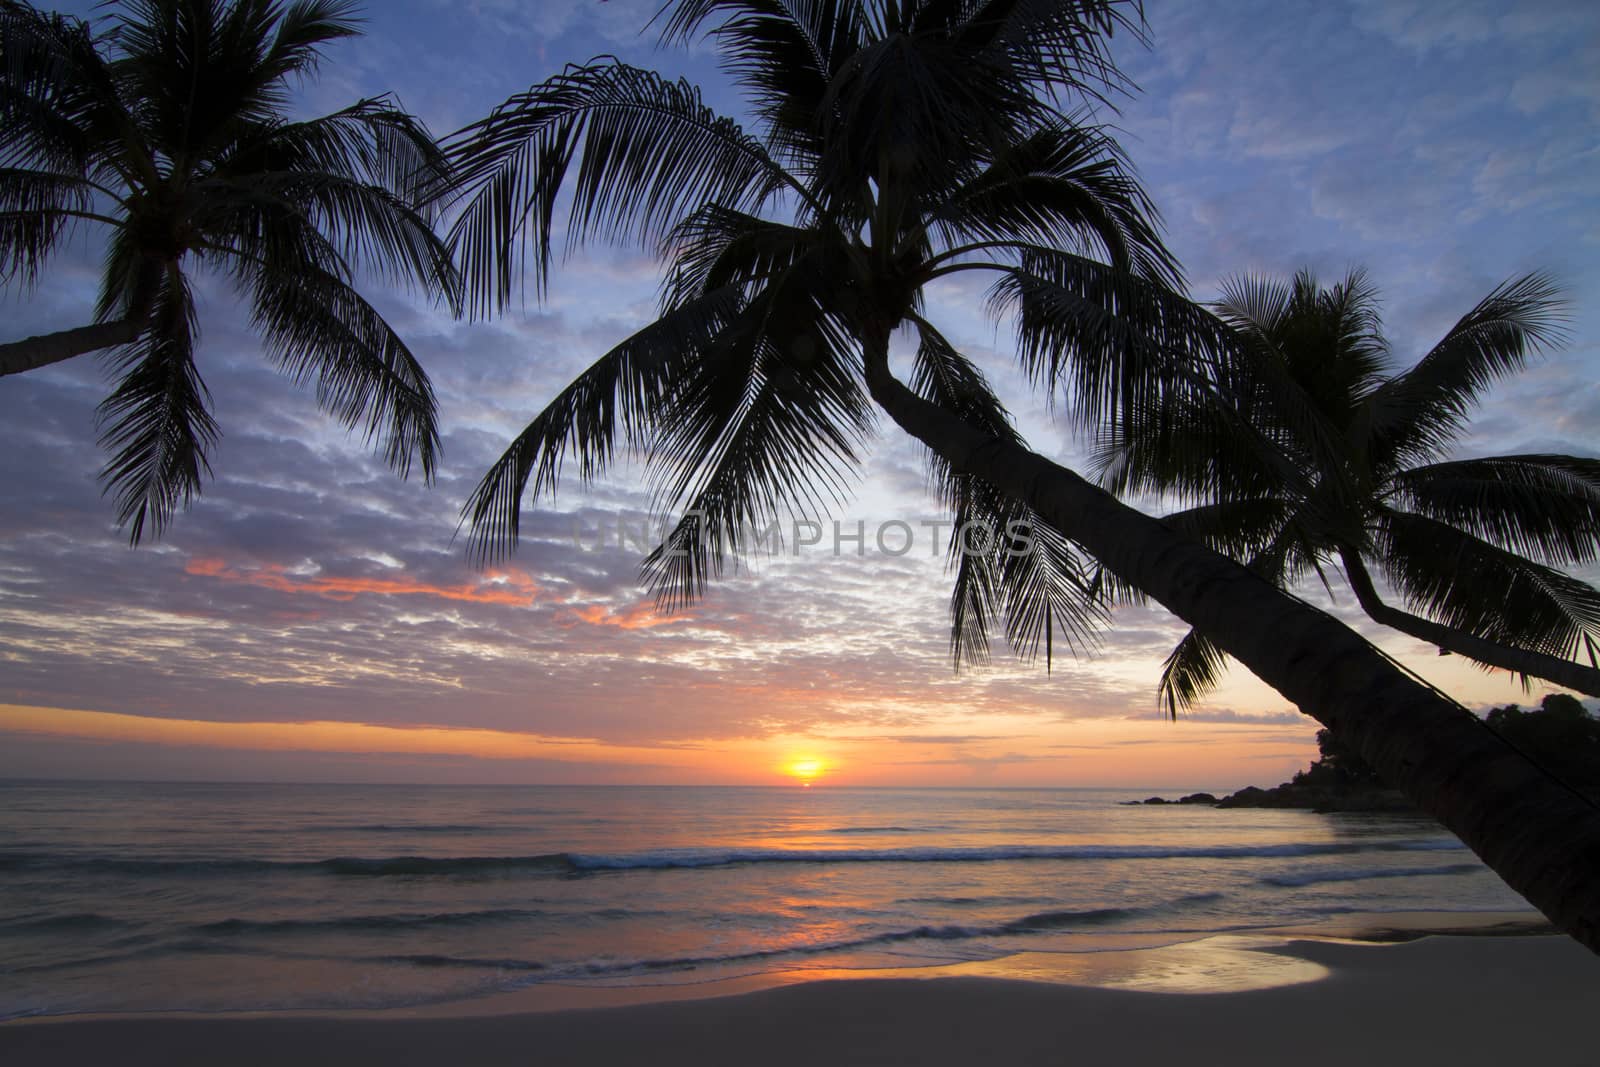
column 1084, row 753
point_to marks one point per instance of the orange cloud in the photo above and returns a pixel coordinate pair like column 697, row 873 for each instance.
column 631, row 617
column 512, row 587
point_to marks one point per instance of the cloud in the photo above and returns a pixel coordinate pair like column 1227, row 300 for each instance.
column 513, row 587
column 627, row 617
column 1426, row 28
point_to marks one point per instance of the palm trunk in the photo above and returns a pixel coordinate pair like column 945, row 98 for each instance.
column 1537, row 834
column 1519, row 661
column 45, row 349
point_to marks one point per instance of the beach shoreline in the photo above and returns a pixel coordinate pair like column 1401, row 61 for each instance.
column 1461, row 988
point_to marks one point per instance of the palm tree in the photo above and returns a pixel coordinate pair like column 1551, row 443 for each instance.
column 1329, row 457
column 168, row 132
column 896, row 144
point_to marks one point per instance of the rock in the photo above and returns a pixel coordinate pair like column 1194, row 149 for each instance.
column 1320, row 799
column 1300, row 796
column 1192, row 798
column 1249, row 797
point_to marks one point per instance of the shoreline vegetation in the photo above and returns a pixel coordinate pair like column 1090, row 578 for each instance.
column 1253, row 997
column 1560, row 734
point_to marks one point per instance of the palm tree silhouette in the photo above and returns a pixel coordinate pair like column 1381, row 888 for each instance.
column 899, row 143
column 168, row 130
column 1330, row 456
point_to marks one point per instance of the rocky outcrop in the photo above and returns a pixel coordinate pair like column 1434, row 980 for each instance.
column 1192, row 798
column 1560, row 735
column 1321, row 798
column 1297, row 795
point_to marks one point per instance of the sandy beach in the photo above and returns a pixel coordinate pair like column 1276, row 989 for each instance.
column 1453, row 998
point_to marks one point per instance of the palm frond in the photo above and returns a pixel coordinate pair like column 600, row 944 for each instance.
column 1237, row 528
column 1046, row 584
column 129, row 278
column 617, row 399
column 362, row 177
column 1328, row 340
column 766, row 424
column 785, row 52
column 916, row 116
column 1120, row 347
column 1545, row 507
column 942, row 374
column 1191, row 670
column 1288, row 555
column 203, row 72
column 1299, row 374
column 974, row 592
column 650, row 153
column 302, row 29
column 320, row 330
column 1057, row 47
column 253, row 227
column 1008, row 565
column 1066, row 185
column 156, row 420
column 1347, row 313
column 1006, row 562
column 373, row 142
column 52, row 82
column 717, row 247
column 1471, row 585
column 1417, row 415
column 37, row 209
column 365, row 223
column 913, row 96
column 1048, row 45
column 1204, row 443
column 1254, row 304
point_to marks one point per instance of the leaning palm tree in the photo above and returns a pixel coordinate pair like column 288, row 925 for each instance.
column 897, row 144
column 1328, row 456
column 167, row 131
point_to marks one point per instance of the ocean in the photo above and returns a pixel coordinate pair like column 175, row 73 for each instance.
column 122, row 897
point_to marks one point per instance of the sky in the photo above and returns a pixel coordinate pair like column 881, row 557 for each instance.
column 314, row 618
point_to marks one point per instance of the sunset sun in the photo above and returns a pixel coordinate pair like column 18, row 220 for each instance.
column 804, row 771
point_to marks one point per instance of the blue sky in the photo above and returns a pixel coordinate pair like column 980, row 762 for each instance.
column 1443, row 147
